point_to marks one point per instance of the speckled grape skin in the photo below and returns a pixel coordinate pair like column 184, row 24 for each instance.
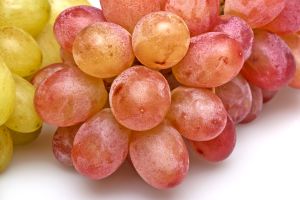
column 127, row 13
column 73, row 20
column 288, row 21
column 160, row 40
column 100, row 146
column 103, row 50
column 69, row 97
column 221, row 147
column 62, row 144
column 268, row 95
column 239, row 30
column 271, row 64
column 293, row 41
column 237, row 98
column 257, row 104
column 213, row 59
column 200, row 16
column 256, row 12
column 46, row 72
column 198, row 114
column 160, row 156
column 140, row 98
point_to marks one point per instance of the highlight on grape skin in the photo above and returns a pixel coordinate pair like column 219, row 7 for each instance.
column 271, row 64
column 6, row 148
column 219, row 148
column 200, row 16
column 140, row 98
column 237, row 98
column 160, row 156
column 198, row 114
column 100, row 146
column 256, row 13
column 65, row 94
column 103, row 50
column 213, row 59
column 72, row 20
column 128, row 12
column 160, row 40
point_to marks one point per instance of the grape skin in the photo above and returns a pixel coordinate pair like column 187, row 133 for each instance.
column 268, row 95
column 140, row 98
column 24, row 138
column 198, row 114
column 67, row 57
column 6, row 148
column 100, row 146
column 213, row 59
column 159, row 156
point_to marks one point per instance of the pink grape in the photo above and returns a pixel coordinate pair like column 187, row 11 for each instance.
column 127, row 13
column 72, row 20
column 46, row 72
column 271, row 64
column 212, row 60
column 237, row 98
column 62, row 144
column 159, row 156
column 198, row 114
column 69, row 97
column 257, row 104
column 239, row 30
column 256, row 13
column 288, row 21
column 140, row 98
column 221, row 147
column 67, row 57
column 200, row 16
column 268, row 95
column 100, row 146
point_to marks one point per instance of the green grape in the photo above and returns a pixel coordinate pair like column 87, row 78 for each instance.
column 29, row 15
column 24, row 118
column 6, row 148
column 19, row 51
column 7, row 94
column 24, row 138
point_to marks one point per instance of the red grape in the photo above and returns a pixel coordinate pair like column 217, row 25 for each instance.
column 268, row 95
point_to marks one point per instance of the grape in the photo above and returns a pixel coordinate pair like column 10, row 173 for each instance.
column 19, row 51
column 257, row 104
column 200, row 16
column 24, row 118
column 160, row 40
column 100, row 146
column 72, row 20
column 237, row 98
column 140, row 98
column 6, row 148
column 293, row 41
column 271, row 64
column 256, row 13
column 237, row 29
column 212, row 60
column 268, row 95
column 160, row 156
column 288, row 21
column 30, row 15
column 103, row 50
column 46, row 72
column 221, row 147
column 7, row 94
column 67, row 57
column 62, row 144
column 24, row 138
column 198, row 114
column 69, row 97
column 128, row 12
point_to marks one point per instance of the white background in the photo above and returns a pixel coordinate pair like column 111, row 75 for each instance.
column 264, row 165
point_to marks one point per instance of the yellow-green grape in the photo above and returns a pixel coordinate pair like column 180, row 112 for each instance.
column 6, row 148
column 19, row 51
column 7, row 93
column 24, row 119
column 24, row 138
column 57, row 6
column 29, row 15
